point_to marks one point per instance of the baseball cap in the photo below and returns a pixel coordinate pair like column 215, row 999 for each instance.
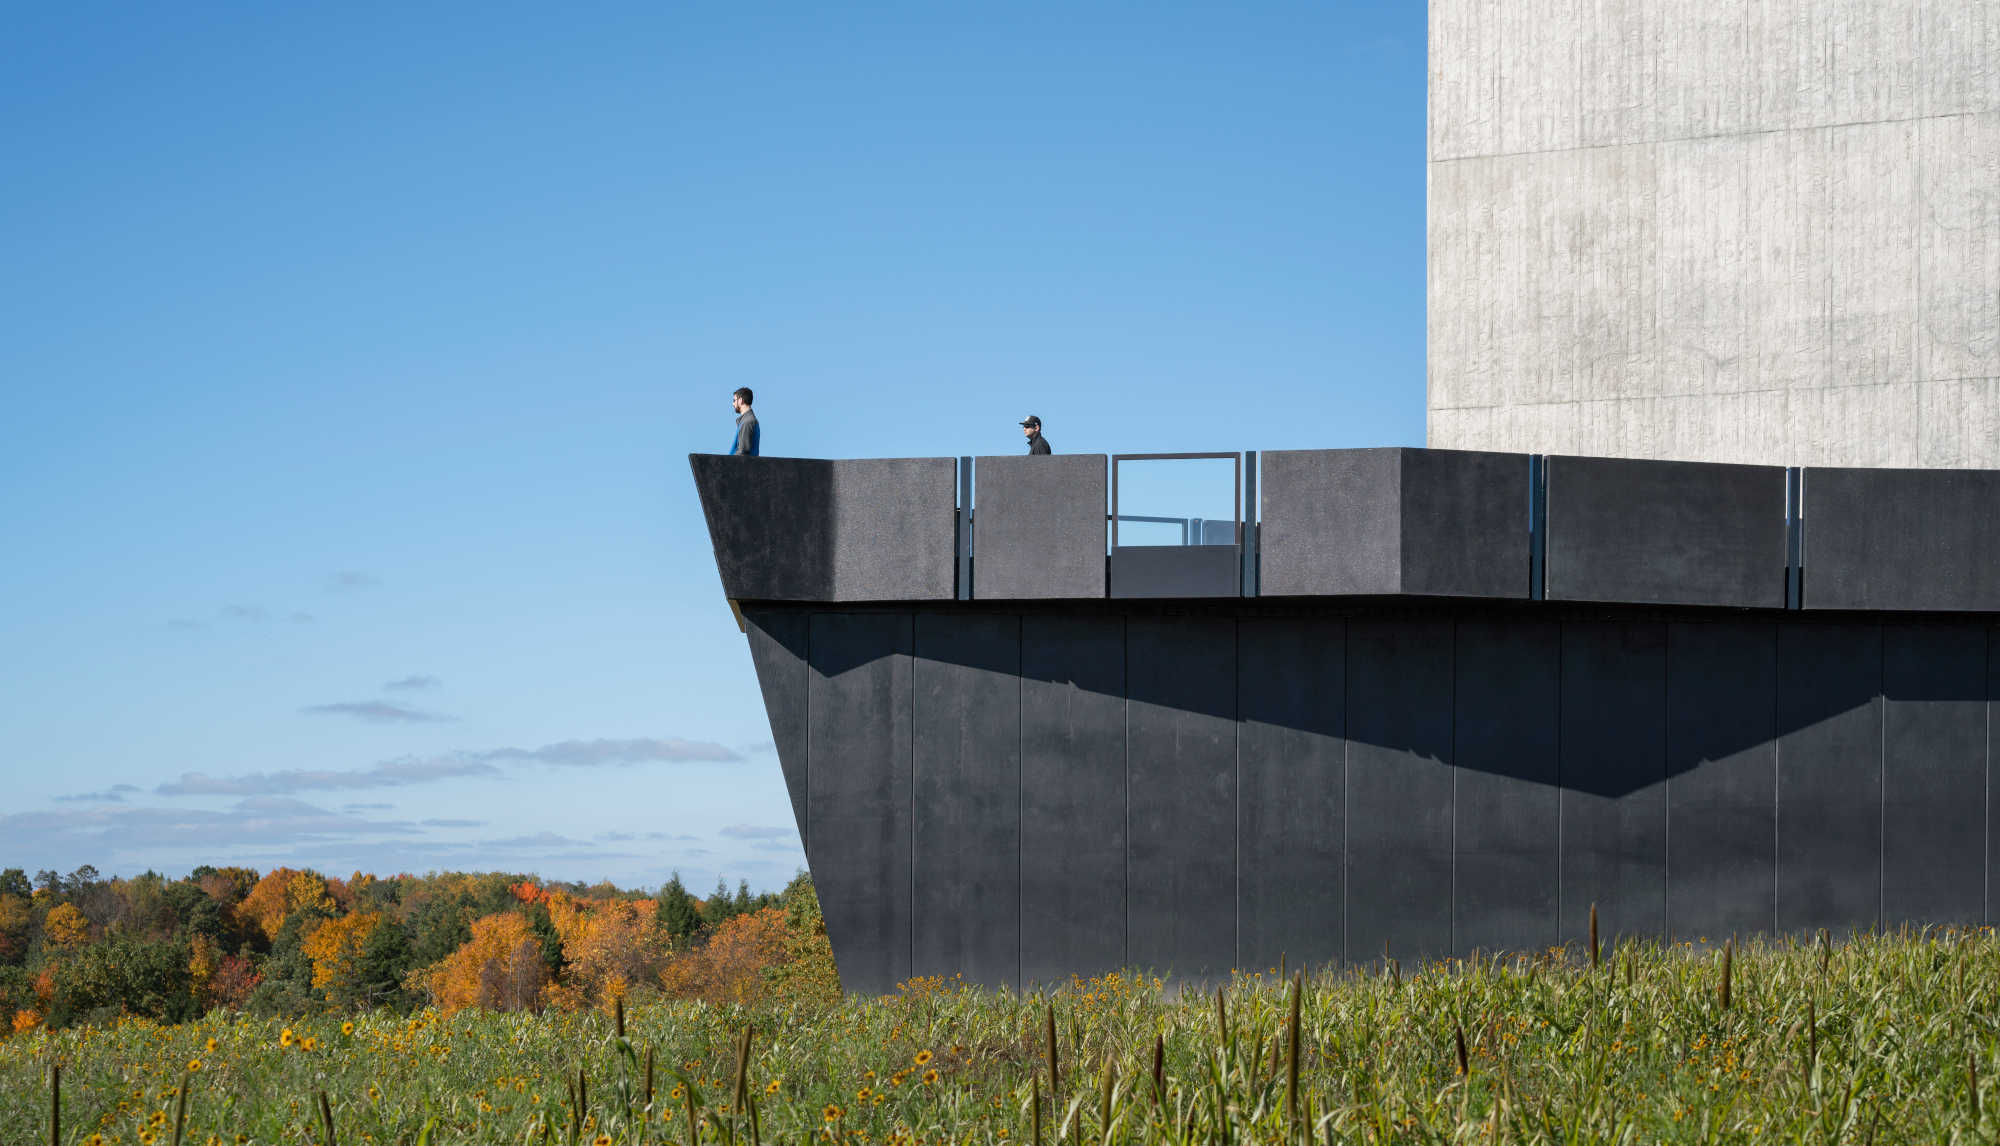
column 1031, row 420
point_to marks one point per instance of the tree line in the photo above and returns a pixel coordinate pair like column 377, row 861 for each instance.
column 80, row 948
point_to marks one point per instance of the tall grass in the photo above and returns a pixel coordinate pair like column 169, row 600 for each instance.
column 1883, row 1039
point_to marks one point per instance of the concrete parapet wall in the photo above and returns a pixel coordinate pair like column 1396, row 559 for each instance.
column 1666, row 533
column 1920, row 540
column 809, row 529
column 1038, row 527
column 1393, row 521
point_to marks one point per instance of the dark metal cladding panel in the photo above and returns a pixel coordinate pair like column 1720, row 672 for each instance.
column 895, row 533
column 966, row 764
column 770, row 521
column 1722, row 813
column 1399, row 787
column 1291, row 824
column 778, row 650
column 1919, row 540
column 1038, row 531
column 1507, row 700
column 1933, row 773
column 1072, row 796
column 1176, row 571
column 858, row 793
column 1992, row 771
column 1465, row 524
column 1331, row 522
column 1829, row 777
column 1653, row 532
column 1180, row 901
column 1613, row 775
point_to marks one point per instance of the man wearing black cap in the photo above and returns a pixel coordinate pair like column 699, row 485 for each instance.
column 1037, row 444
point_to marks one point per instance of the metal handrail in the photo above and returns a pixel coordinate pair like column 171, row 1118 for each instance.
column 1236, row 499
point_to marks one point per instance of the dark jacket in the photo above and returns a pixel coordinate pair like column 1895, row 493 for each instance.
column 1039, row 445
column 746, row 434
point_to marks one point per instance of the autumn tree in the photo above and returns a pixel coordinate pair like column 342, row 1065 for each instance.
column 334, row 946
column 65, row 927
column 499, row 968
column 730, row 967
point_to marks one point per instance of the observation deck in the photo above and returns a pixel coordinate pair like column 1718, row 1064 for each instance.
column 1059, row 715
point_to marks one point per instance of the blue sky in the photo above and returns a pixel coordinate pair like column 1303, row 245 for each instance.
column 353, row 356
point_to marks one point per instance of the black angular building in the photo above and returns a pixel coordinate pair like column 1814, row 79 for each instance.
column 1413, row 702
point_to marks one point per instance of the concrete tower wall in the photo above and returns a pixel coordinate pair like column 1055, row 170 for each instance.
column 1751, row 231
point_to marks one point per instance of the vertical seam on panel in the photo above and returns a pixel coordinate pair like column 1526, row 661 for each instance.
column 1881, row 775
column 1667, row 774
column 1125, row 671
column 1346, row 770
column 910, row 747
column 1777, row 752
column 1451, row 905
column 1236, row 729
column 1562, row 628
column 1020, row 788
column 805, row 757
column 1986, row 870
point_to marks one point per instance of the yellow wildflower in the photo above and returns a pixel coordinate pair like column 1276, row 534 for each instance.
column 286, row 1037
column 923, row 1058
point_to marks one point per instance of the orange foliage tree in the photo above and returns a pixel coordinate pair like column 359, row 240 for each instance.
column 66, row 926
column 608, row 945
column 499, row 968
column 730, row 967
column 335, row 950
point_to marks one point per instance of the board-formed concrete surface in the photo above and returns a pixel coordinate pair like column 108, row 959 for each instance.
column 809, row 529
column 1761, row 233
column 1915, row 540
column 1393, row 521
column 1023, row 792
column 1679, row 533
column 1038, row 527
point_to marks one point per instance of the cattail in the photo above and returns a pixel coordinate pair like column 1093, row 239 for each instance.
column 1825, row 949
column 1812, row 1038
column 1160, row 1069
column 693, row 1130
column 1458, row 1033
column 1221, row 1019
column 1036, row 1102
column 1722, row 989
column 1593, row 937
column 1972, row 1082
column 181, row 1109
column 1292, row 1060
column 1055, row 1064
column 1629, row 956
column 55, row 1104
column 1104, row 1108
column 1395, row 973
column 582, row 1091
column 326, row 1117
column 649, row 1076
column 618, row 1016
column 575, row 1111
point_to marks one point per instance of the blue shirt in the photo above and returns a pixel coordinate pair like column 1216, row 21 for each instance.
column 745, row 441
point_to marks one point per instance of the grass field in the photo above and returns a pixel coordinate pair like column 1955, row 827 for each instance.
column 1883, row 1039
